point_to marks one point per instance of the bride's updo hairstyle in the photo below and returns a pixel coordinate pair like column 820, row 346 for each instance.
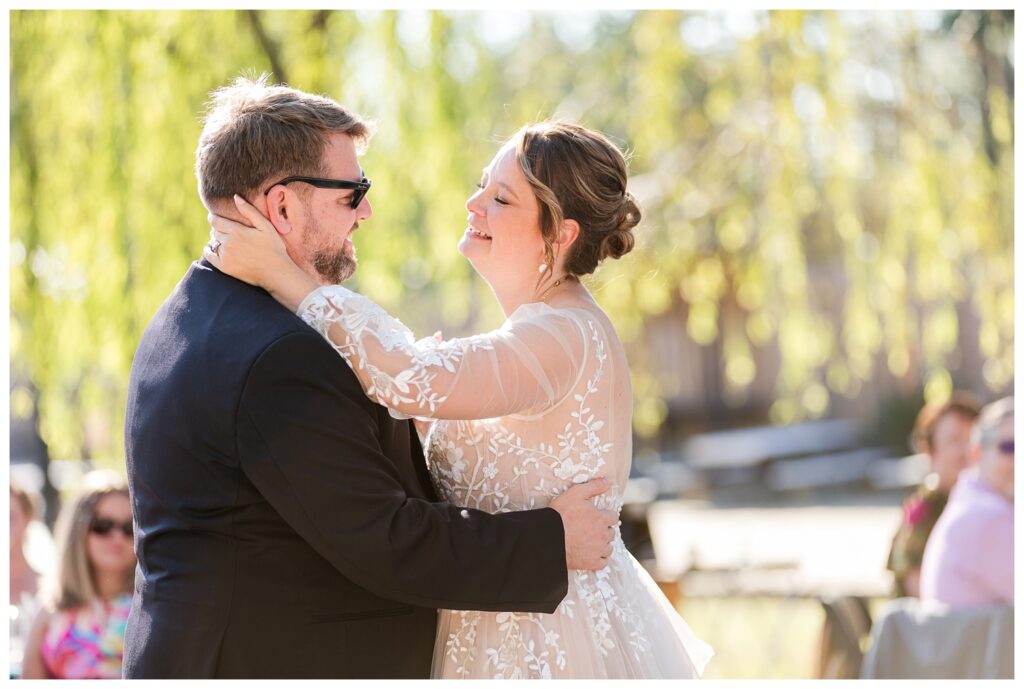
column 578, row 174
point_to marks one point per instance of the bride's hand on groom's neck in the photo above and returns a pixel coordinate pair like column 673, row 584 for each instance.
column 253, row 251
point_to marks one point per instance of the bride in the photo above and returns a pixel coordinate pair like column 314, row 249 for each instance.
column 519, row 413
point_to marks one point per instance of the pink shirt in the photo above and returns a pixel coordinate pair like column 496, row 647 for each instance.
column 968, row 560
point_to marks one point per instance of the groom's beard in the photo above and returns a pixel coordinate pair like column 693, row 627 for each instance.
column 332, row 264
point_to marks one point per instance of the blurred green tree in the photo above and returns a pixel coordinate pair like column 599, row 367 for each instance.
column 828, row 195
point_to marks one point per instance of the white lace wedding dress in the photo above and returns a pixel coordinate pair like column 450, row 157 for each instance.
column 523, row 412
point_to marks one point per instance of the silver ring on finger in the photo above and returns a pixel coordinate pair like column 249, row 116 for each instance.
column 215, row 246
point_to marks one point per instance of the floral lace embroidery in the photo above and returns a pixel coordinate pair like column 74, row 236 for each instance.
column 488, row 464
column 358, row 315
column 603, row 601
column 514, row 655
column 540, row 470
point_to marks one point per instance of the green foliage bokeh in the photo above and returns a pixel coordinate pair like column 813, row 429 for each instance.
column 873, row 147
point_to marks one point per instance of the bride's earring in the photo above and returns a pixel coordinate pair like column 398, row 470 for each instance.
column 543, row 268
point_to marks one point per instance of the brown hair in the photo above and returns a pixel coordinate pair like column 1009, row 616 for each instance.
column 74, row 581
column 29, row 500
column 254, row 131
column 578, row 174
column 961, row 403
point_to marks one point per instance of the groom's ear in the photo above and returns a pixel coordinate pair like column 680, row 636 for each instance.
column 278, row 203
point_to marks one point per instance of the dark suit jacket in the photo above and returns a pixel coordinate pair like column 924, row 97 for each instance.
column 285, row 524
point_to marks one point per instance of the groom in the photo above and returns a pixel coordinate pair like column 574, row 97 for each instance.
column 285, row 524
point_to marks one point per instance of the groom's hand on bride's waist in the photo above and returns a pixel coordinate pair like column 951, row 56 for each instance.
column 589, row 532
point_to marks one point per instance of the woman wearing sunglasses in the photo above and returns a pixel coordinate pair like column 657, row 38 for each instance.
column 520, row 413
column 80, row 632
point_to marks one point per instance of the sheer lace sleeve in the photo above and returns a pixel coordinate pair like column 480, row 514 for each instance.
column 528, row 364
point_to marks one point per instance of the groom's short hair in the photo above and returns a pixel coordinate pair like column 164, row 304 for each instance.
column 254, row 132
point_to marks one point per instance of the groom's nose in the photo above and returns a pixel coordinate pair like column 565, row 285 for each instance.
column 364, row 210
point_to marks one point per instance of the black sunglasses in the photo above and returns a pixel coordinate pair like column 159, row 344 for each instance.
column 102, row 526
column 359, row 189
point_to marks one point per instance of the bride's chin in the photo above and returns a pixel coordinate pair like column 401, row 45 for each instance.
column 464, row 246
column 469, row 258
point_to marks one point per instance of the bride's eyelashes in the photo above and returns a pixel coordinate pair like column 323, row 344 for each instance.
column 481, row 186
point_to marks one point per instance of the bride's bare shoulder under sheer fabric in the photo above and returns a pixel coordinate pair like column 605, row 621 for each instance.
column 523, row 412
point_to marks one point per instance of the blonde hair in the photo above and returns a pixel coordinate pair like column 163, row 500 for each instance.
column 254, row 131
column 74, row 579
column 578, row 174
column 986, row 428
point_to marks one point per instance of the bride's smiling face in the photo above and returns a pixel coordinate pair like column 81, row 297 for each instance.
column 503, row 241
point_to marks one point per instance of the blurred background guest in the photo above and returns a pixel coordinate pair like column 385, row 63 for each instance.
column 969, row 557
column 79, row 634
column 942, row 431
column 25, row 508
